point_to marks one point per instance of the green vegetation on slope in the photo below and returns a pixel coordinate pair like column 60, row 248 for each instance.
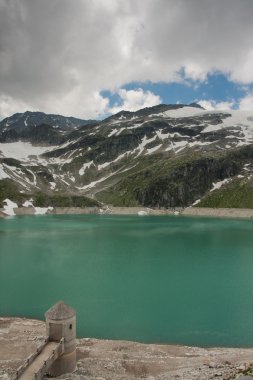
column 9, row 190
column 45, row 200
column 178, row 180
column 170, row 182
column 237, row 194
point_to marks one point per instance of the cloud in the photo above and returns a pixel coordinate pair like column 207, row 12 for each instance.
column 243, row 104
column 57, row 56
column 133, row 100
column 212, row 105
column 9, row 106
column 246, row 103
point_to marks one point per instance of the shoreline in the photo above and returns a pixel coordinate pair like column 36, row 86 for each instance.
column 121, row 359
column 244, row 213
column 141, row 211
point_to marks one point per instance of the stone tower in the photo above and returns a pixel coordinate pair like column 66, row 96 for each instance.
column 61, row 323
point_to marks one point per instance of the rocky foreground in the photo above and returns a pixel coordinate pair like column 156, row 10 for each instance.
column 123, row 360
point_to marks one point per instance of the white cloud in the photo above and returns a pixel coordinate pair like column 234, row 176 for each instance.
column 243, row 72
column 194, row 71
column 57, row 56
column 212, row 105
column 92, row 105
column 133, row 100
column 9, row 106
column 246, row 103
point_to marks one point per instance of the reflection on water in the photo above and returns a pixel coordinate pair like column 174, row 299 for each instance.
column 152, row 279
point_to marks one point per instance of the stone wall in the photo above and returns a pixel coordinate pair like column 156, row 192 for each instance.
column 73, row 210
column 219, row 212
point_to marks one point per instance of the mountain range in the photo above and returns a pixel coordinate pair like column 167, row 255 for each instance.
column 164, row 156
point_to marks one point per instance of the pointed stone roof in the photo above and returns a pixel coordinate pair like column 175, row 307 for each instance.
column 60, row 311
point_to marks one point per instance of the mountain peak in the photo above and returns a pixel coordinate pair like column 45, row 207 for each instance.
column 196, row 105
column 17, row 123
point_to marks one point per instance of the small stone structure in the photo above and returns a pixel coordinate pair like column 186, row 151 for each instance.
column 61, row 323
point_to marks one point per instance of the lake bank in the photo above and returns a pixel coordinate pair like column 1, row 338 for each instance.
column 188, row 211
column 116, row 359
column 219, row 212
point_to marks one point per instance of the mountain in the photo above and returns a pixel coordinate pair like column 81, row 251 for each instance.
column 162, row 156
column 38, row 127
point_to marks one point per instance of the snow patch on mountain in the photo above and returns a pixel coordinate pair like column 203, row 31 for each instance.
column 113, row 132
column 116, row 132
column 3, row 174
column 136, row 125
column 241, row 119
column 177, row 145
column 92, row 184
column 218, row 184
column 121, row 130
column 18, row 175
column 185, row 111
column 34, row 177
column 9, row 206
column 152, row 150
column 102, row 166
column 200, row 143
column 164, row 136
column 22, row 150
column 85, row 166
column 144, row 142
column 42, row 210
column 28, row 203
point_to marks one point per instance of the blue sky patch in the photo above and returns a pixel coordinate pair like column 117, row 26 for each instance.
column 216, row 87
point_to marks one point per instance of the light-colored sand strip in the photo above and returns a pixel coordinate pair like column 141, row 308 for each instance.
column 190, row 211
column 219, row 212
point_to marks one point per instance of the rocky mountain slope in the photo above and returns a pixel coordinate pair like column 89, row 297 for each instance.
column 163, row 156
column 38, row 127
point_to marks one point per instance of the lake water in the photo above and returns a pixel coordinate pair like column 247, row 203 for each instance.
column 152, row 279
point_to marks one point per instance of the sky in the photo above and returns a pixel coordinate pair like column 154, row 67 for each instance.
column 92, row 58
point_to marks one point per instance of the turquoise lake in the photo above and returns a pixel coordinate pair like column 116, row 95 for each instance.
column 151, row 279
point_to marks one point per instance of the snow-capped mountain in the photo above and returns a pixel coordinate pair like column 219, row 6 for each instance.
column 163, row 156
column 38, row 126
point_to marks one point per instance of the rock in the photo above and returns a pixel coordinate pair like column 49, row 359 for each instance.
column 241, row 367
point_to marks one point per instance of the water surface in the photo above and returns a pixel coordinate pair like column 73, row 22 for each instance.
column 153, row 279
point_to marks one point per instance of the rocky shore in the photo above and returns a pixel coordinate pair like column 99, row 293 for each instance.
column 124, row 360
column 219, row 212
column 189, row 211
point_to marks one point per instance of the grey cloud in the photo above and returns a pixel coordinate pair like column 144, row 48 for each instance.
column 56, row 55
